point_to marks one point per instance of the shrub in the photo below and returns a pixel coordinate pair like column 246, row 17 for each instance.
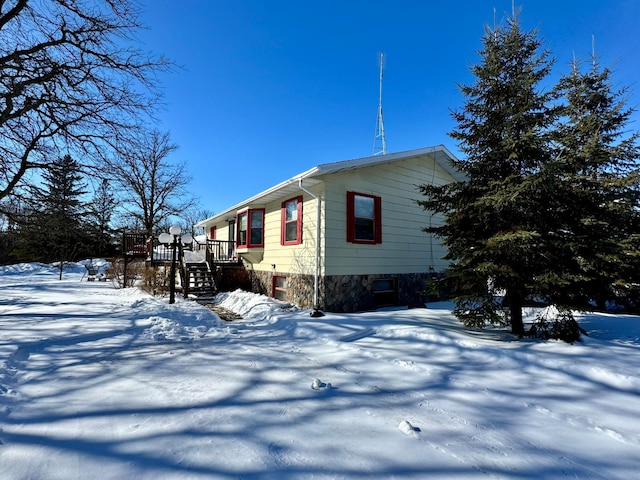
column 552, row 323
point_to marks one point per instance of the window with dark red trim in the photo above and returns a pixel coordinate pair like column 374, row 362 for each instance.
column 291, row 222
column 364, row 218
column 279, row 287
column 250, row 225
column 212, row 232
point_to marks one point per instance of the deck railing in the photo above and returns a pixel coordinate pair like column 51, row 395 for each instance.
column 162, row 253
column 134, row 244
column 138, row 245
column 217, row 251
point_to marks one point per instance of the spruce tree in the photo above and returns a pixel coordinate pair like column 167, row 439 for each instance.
column 596, row 164
column 55, row 229
column 550, row 208
column 495, row 220
column 101, row 210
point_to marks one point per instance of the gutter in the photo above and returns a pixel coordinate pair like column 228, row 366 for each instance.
column 316, row 311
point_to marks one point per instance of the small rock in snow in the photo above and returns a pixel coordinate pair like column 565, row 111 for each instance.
column 317, row 384
column 408, row 429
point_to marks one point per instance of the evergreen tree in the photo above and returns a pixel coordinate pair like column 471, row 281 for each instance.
column 550, row 208
column 495, row 221
column 11, row 210
column 55, row 229
column 597, row 165
column 101, row 210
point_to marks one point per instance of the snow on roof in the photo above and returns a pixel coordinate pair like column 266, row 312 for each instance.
column 439, row 153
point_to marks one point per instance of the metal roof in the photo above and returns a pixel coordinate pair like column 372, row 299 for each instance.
column 291, row 187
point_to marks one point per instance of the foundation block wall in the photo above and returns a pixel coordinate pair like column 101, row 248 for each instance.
column 343, row 293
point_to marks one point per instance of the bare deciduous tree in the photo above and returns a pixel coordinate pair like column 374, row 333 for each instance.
column 193, row 216
column 69, row 81
column 153, row 190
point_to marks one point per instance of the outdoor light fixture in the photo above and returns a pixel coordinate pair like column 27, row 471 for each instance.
column 164, row 238
column 176, row 240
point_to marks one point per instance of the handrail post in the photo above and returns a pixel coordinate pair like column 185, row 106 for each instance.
column 172, row 280
column 184, row 272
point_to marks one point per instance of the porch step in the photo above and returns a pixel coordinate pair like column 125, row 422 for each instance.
column 200, row 279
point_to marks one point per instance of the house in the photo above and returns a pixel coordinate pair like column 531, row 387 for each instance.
column 341, row 237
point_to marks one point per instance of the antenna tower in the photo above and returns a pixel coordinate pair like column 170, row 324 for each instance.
column 379, row 141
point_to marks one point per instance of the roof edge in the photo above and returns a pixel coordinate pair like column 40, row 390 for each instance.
column 258, row 196
column 439, row 153
column 379, row 159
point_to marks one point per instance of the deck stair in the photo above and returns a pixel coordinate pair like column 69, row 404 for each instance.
column 199, row 280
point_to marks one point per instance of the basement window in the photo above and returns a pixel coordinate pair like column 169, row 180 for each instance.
column 385, row 292
column 279, row 287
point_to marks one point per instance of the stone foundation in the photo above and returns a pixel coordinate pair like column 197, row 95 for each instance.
column 352, row 293
column 299, row 287
column 340, row 293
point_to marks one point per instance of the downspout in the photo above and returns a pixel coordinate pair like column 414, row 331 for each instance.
column 316, row 311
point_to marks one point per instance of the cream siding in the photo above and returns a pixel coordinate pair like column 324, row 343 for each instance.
column 299, row 259
column 405, row 248
column 222, row 230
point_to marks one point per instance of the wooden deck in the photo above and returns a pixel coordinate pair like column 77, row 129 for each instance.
column 216, row 254
column 134, row 245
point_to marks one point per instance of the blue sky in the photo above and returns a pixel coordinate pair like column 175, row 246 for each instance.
column 270, row 88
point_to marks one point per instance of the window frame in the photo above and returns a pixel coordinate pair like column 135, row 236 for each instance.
column 283, row 222
column 275, row 288
column 248, row 213
column 351, row 219
column 384, row 297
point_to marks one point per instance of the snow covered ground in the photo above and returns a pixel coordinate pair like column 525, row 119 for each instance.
column 105, row 383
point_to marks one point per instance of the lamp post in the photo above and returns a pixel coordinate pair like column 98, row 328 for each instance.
column 176, row 239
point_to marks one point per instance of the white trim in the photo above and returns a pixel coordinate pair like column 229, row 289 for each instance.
column 440, row 154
